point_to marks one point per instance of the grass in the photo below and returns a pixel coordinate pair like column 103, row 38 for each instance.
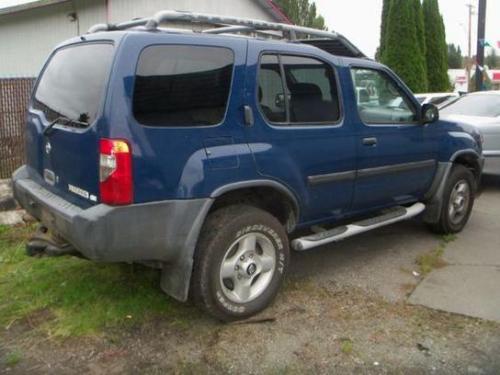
column 69, row 296
column 433, row 259
column 12, row 358
column 346, row 345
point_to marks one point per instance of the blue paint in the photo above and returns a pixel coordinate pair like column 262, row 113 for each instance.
column 185, row 163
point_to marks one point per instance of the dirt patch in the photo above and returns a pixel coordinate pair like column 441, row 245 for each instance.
column 320, row 328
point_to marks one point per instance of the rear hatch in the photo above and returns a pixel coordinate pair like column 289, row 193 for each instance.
column 64, row 120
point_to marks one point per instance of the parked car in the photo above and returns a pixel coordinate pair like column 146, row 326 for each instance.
column 437, row 98
column 203, row 153
column 482, row 110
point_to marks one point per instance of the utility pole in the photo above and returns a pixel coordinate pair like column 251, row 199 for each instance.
column 468, row 64
column 481, row 27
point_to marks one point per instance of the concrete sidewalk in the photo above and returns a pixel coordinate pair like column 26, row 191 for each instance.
column 470, row 283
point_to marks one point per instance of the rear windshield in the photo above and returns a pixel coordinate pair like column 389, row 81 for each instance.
column 72, row 84
column 182, row 85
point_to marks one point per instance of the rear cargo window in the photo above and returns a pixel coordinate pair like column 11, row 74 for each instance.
column 72, row 84
column 182, row 85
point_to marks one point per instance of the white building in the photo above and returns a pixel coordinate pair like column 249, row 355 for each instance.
column 29, row 29
column 458, row 78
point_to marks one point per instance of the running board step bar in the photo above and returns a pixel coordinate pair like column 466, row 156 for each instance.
column 393, row 215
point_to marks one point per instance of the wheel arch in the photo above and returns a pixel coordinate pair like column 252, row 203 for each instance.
column 471, row 160
column 434, row 197
column 270, row 195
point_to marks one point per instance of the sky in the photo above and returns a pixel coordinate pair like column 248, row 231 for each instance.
column 359, row 21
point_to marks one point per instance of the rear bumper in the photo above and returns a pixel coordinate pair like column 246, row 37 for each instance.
column 164, row 231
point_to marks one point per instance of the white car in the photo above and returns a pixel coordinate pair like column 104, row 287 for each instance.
column 482, row 110
column 439, row 99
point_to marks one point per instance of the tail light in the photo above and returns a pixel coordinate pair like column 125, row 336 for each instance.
column 115, row 172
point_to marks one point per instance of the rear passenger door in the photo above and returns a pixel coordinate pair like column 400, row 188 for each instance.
column 299, row 137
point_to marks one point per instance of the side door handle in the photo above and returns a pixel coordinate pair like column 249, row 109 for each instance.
column 248, row 115
column 370, row 141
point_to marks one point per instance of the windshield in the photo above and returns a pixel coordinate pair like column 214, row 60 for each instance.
column 73, row 82
column 474, row 105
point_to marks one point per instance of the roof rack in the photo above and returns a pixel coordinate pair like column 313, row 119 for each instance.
column 331, row 42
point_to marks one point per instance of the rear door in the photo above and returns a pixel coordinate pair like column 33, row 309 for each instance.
column 62, row 122
column 300, row 136
column 396, row 154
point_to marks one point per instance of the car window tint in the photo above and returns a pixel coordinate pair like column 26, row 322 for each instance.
column 474, row 105
column 72, row 84
column 182, row 85
column 379, row 100
column 312, row 89
column 271, row 94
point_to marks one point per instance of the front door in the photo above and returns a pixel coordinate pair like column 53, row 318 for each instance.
column 300, row 137
column 396, row 153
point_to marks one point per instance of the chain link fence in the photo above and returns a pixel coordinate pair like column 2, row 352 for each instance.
column 14, row 97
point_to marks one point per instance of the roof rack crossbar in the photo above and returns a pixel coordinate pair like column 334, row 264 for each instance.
column 228, row 24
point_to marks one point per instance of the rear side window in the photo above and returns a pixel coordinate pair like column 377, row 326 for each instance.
column 182, row 85
column 72, row 84
column 310, row 86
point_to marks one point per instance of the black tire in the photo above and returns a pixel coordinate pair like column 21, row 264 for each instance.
column 221, row 233
column 446, row 225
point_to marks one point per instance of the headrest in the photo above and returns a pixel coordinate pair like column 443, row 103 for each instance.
column 305, row 89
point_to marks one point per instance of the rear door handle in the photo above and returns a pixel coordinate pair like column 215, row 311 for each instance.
column 371, row 141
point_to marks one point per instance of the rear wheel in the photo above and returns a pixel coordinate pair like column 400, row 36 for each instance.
column 240, row 262
column 458, row 199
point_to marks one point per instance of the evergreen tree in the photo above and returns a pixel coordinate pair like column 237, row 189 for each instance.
column 302, row 13
column 437, row 50
column 383, row 29
column 402, row 51
column 455, row 58
column 492, row 60
column 419, row 23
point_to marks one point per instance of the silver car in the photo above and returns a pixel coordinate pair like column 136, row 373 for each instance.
column 481, row 109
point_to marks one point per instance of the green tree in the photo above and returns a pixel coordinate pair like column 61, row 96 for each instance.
column 302, row 13
column 418, row 14
column 402, row 51
column 492, row 60
column 455, row 58
column 383, row 29
column 437, row 50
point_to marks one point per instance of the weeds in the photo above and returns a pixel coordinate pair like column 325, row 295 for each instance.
column 12, row 358
column 346, row 345
column 69, row 296
column 433, row 259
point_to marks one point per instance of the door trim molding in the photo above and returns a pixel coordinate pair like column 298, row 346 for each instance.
column 395, row 168
column 331, row 177
column 369, row 172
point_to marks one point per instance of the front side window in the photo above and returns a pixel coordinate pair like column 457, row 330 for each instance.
column 307, row 94
column 72, row 84
column 379, row 100
column 179, row 85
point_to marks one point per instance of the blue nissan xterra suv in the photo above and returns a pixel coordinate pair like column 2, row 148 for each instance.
column 202, row 153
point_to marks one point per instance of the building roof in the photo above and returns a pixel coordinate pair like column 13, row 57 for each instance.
column 14, row 6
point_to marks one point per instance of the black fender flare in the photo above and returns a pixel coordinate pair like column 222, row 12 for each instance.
column 434, row 196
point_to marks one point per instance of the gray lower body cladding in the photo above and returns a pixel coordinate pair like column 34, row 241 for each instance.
column 165, row 231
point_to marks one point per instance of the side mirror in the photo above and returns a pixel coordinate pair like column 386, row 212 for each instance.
column 429, row 113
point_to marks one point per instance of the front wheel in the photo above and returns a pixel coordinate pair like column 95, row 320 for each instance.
column 458, row 199
column 240, row 262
